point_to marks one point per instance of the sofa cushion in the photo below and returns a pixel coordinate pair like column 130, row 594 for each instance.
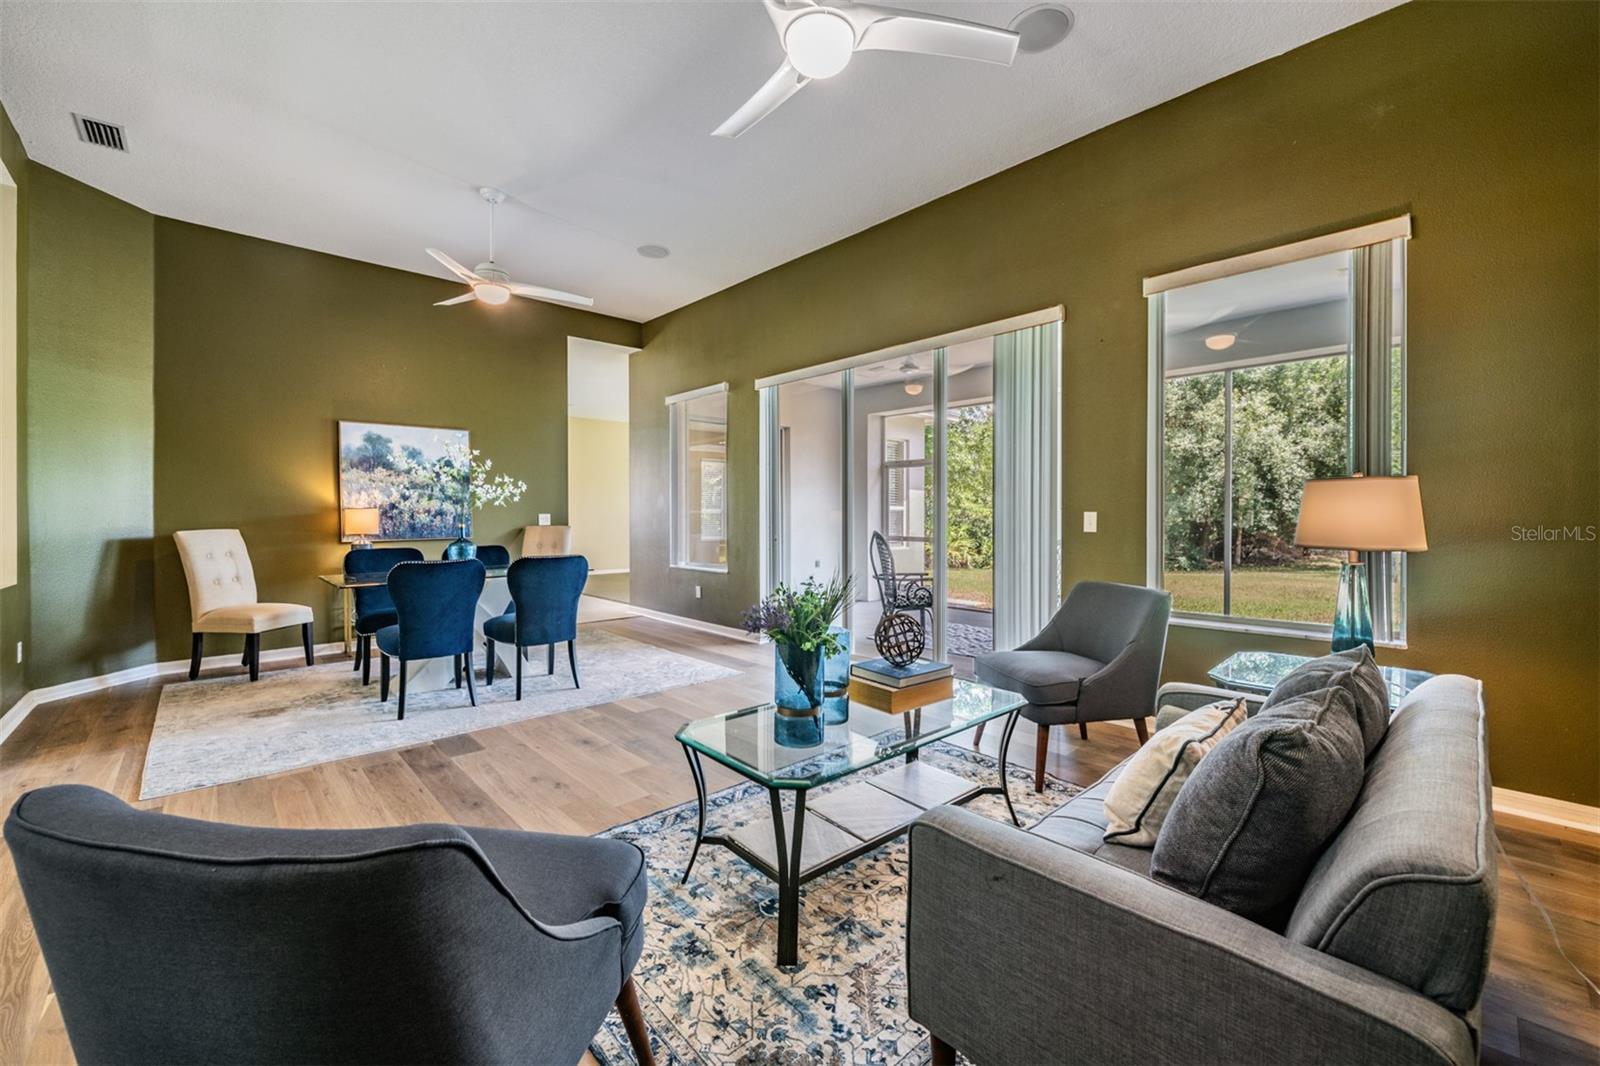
column 1043, row 678
column 1080, row 824
column 1255, row 814
column 1357, row 673
column 1143, row 793
column 1407, row 889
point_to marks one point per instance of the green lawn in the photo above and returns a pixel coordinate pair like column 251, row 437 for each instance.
column 972, row 588
column 1289, row 593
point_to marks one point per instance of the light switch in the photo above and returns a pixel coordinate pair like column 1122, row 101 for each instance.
column 1091, row 521
column 697, row 592
column 544, row 519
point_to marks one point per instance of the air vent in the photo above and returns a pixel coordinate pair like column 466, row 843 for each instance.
column 93, row 131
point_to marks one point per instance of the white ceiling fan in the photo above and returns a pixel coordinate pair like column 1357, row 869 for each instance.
column 819, row 39
column 491, row 285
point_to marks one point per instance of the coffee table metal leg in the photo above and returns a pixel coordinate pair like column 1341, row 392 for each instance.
column 1005, row 778
column 788, row 876
column 700, row 795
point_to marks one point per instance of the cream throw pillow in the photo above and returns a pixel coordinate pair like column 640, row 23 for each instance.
column 1142, row 794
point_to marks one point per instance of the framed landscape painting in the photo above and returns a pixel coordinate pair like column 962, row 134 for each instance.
column 415, row 475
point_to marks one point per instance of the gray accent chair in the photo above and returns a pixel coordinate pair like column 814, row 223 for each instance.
column 179, row 941
column 1052, row 945
column 1098, row 660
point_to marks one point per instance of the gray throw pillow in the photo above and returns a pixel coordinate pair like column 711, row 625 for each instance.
column 1258, row 810
column 1357, row 673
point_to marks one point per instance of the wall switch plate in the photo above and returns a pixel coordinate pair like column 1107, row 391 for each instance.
column 544, row 519
column 1091, row 521
column 696, row 596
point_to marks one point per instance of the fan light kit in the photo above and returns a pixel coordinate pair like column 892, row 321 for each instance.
column 493, row 286
column 909, row 368
column 819, row 40
column 1221, row 342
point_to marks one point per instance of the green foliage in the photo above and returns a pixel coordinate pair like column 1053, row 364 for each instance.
column 970, row 486
column 802, row 617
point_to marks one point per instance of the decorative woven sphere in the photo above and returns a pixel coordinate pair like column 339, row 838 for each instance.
column 899, row 638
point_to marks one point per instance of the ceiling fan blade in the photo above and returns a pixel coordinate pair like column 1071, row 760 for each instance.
column 782, row 85
column 454, row 267
column 539, row 292
column 466, row 297
column 893, row 30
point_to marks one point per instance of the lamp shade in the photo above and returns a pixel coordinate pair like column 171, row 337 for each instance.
column 360, row 521
column 1365, row 514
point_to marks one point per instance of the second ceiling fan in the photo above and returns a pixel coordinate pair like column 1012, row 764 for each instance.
column 819, row 39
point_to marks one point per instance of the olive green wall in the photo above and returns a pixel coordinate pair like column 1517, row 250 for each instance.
column 14, row 600
column 1479, row 119
column 90, row 429
column 262, row 348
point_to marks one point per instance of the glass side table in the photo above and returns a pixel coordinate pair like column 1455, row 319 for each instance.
column 1259, row 671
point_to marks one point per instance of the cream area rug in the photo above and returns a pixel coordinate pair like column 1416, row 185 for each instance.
column 223, row 729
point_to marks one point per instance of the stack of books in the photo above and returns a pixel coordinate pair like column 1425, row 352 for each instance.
column 881, row 684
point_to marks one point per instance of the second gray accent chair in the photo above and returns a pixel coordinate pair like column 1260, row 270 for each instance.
column 180, row 941
column 1099, row 659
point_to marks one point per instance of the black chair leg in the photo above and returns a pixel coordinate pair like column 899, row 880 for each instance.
column 254, row 651
column 364, row 649
column 550, row 666
column 402, row 690
column 244, row 656
column 520, row 656
column 305, row 638
column 472, row 692
column 488, row 664
column 457, row 660
column 383, row 679
column 355, row 659
column 572, row 660
column 194, row 656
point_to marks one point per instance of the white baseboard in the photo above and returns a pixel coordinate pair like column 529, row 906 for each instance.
column 1544, row 809
column 623, row 570
column 34, row 697
column 694, row 623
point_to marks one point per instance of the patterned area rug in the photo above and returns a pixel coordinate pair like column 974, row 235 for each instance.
column 708, row 979
column 222, row 729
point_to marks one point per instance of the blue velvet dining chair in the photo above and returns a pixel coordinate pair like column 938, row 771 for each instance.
column 435, row 606
column 490, row 555
column 373, row 608
column 544, row 610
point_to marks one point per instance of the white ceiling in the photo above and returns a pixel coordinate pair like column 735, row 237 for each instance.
column 363, row 129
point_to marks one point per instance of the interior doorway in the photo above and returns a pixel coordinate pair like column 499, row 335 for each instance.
column 597, row 463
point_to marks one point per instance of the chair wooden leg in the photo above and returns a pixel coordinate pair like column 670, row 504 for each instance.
column 383, row 679
column 943, row 1054
column 254, row 651
column 572, row 660
column 488, row 664
column 977, row 736
column 472, row 692
column 364, row 645
column 305, row 638
column 550, row 662
column 522, row 653
column 1083, row 730
column 633, row 1022
column 194, row 656
column 1042, row 749
column 1139, row 727
column 402, row 713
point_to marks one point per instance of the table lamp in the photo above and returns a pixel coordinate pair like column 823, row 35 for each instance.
column 1359, row 514
column 361, row 524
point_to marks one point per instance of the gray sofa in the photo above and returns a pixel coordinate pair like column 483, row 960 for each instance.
column 1052, row 946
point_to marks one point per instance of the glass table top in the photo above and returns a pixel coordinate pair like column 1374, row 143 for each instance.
column 1259, row 671
column 779, row 749
column 364, row 581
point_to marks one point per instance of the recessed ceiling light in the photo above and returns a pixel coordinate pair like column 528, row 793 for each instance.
column 1221, row 342
column 653, row 251
column 1042, row 27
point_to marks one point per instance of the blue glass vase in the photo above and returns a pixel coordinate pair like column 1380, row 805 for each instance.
column 836, row 681
column 1352, row 616
column 461, row 547
column 803, row 680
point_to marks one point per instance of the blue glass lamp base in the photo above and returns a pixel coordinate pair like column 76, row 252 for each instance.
column 1352, row 617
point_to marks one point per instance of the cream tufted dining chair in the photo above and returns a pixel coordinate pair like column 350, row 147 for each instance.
column 546, row 540
column 222, row 596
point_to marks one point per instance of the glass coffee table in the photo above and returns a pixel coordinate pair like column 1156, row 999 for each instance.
column 788, row 752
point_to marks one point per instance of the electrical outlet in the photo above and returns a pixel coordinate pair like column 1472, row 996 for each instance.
column 1091, row 521
column 19, row 651
column 544, row 519
column 696, row 596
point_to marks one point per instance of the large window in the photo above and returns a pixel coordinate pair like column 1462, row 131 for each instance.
column 699, row 427
column 1268, row 378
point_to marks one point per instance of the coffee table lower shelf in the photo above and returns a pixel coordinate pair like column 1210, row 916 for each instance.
column 791, row 848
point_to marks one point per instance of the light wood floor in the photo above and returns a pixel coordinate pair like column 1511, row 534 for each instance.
column 589, row 769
